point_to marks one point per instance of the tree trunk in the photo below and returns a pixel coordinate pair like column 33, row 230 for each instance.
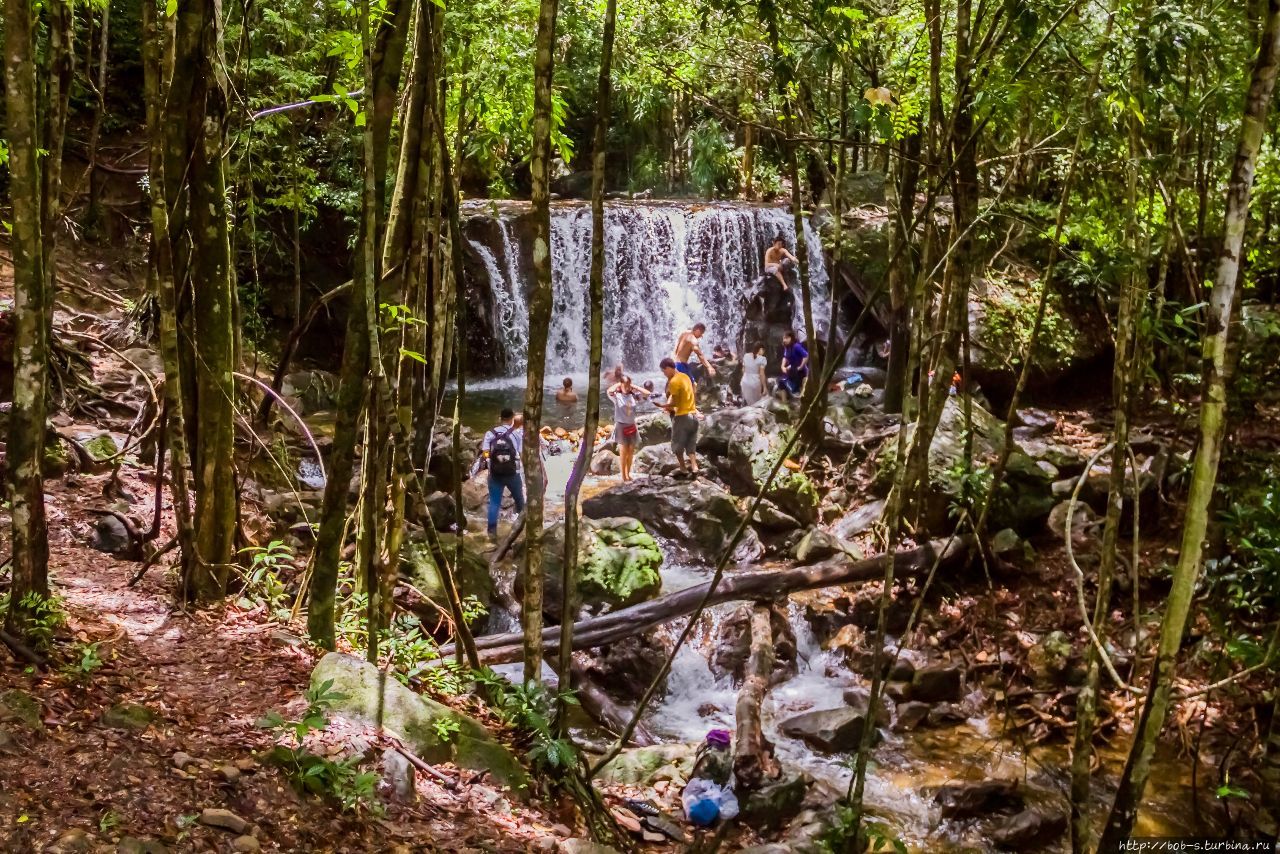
column 1204, row 474
column 753, row 760
column 539, row 321
column 900, row 273
column 385, row 60
column 26, row 429
column 586, row 446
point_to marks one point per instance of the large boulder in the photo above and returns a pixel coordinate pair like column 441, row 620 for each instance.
column 697, row 516
column 434, row 731
column 828, row 730
column 743, row 445
column 1026, row 496
column 818, row 544
column 618, row 563
column 644, row 766
column 471, row 573
column 652, row 429
column 732, row 644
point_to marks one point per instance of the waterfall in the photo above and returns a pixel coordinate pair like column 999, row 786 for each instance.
column 667, row 266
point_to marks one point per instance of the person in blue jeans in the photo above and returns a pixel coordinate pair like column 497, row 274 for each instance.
column 501, row 448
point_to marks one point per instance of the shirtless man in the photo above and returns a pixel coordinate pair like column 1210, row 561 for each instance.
column 686, row 346
column 773, row 258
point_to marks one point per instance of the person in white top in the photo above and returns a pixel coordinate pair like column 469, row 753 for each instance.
column 626, row 398
column 754, row 383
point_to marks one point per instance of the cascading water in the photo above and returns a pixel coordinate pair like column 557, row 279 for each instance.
column 667, row 266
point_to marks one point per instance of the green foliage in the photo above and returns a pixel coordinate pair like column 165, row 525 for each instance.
column 45, row 615
column 85, row 662
column 529, row 709
column 842, row 828
column 1245, row 581
column 262, row 580
column 341, row 779
column 713, row 161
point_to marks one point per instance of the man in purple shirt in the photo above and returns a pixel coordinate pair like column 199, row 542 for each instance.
column 795, row 363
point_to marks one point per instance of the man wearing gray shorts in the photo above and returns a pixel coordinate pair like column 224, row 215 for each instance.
column 684, row 423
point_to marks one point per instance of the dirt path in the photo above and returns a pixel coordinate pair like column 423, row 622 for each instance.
column 81, row 781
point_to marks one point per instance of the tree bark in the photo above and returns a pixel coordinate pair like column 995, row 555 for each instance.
column 539, row 321
column 753, row 760
column 586, row 446
column 1204, row 474
column 26, row 430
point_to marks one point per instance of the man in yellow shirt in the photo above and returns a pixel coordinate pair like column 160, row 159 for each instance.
column 684, row 424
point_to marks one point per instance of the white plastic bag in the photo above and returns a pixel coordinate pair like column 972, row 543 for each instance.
column 700, row 789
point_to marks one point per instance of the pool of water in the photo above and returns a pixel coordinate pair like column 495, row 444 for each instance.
column 485, row 399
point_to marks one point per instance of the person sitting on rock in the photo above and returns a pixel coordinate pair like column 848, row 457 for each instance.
column 774, row 258
column 795, row 364
column 566, row 395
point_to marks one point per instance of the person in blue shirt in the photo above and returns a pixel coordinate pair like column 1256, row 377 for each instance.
column 795, row 363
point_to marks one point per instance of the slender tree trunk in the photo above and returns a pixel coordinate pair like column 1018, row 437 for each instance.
column 99, row 111
column 160, row 275
column 26, row 428
column 539, row 321
column 569, row 573
column 1204, row 474
column 900, row 272
column 385, row 58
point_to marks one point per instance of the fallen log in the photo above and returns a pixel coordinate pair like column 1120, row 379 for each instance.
column 753, row 760
column 746, row 586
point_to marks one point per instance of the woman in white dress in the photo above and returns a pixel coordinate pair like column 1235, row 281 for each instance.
column 753, row 378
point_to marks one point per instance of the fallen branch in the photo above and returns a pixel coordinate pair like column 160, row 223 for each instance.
column 516, row 530
column 753, row 760
column 747, row 586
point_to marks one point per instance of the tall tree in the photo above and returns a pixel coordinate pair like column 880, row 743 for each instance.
column 26, row 428
column 539, row 322
column 1204, row 474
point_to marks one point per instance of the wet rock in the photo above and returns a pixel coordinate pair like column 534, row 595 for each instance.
column 643, row 766
column 897, row 691
column 372, row 696
column 775, row 803
column 946, row 714
column 110, row 535
column 937, row 683
column 618, row 566
column 910, row 715
column 656, row 460
column 894, row 665
column 223, row 819
column 440, row 507
column 743, row 445
column 1048, row 659
column 315, row 390
column 860, row 699
column 626, row 668
column 970, row 800
column 1028, row 830
column 21, row 708
column 127, row 716
column 1036, row 422
column 245, row 844
column 605, row 463
column 828, row 730
column 768, row 518
column 860, row 520
column 818, row 545
column 698, row 516
column 399, row 775
column 652, row 429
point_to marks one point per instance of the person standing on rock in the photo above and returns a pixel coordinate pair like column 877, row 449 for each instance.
column 501, row 447
column 626, row 434
column 795, row 363
column 686, row 348
column 775, row 256
column 684, row 423
column 754, row 383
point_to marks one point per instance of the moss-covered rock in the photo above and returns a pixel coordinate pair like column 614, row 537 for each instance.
column 434, row 731
column 471, row 573
column 101, row 447
column 618, row 564
column 56, row 460
column 128, row 716
column 644, row 766
column 743, row 445
column 21, row 707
